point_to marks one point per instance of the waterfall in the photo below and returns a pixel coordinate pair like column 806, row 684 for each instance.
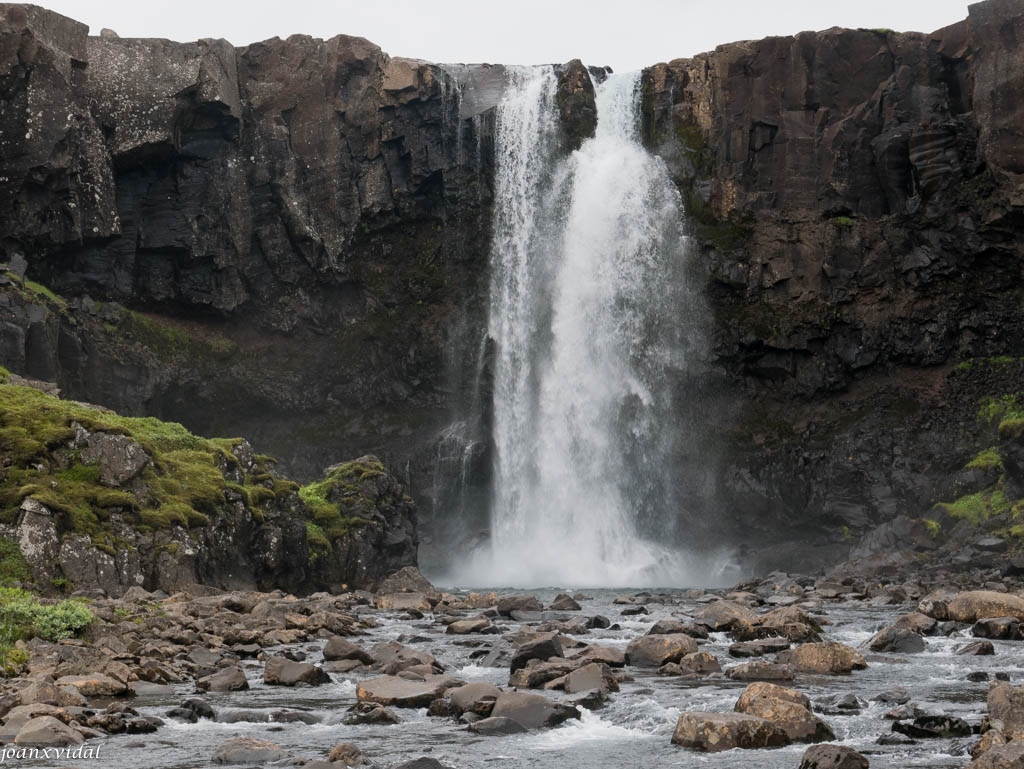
column 594, row 321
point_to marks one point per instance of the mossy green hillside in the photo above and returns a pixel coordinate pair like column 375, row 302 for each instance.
column 184, row 483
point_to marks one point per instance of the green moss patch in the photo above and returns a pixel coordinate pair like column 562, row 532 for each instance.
column 184, row 484
column 13, row 566
column 23, row 616
column 338, row 503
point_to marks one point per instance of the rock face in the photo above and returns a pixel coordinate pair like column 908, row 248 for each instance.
column 853, row 194
column 298, row 254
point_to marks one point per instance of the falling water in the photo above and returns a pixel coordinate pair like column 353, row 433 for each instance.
column 592, row 315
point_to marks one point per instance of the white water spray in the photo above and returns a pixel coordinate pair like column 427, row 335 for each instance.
column 589, row 312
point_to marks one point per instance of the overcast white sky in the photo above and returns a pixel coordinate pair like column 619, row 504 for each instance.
column 626, row 34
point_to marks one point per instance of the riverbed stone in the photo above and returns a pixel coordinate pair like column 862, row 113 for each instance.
column 998, row 628
column 468, row 626
column 759, row 670
column 248, row 750
column 1007, row 756
column 826, row 657
column 1006, row 705
column 47, row 731
column 974, row 605
column 832, row 757
column 653, row 651
column 348, row 754
column 542, row 648
column 786, row 708
column 726, row 615
column 532, row 711
column 230, row 679
column 338, row 648
column 404, row 693
column 758, row 648
column 715, row 732
column 280, row 671
column 564, row 602
column 477, row 697
column 596, row 675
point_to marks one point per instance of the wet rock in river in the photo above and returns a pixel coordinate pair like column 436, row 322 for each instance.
column 283, row 672
column 513, row 603
column 758, row 648
column 47, row 731
column 1006, row 705
column 230, row 679
column 760, row 671
column 827, row 657
column 338, row 648
column 478, row 697
column 976, row 649
column 541, row 648
column 596, row 675
column 248, row 750
column 531, row 711
column 1008, row 756
column 369, row 713
column 696, row 664
column 832, row 757
column 348, row 754
column 404, row 693
column 999, row 628
column 714, row 732
column 786, row 708
column 934, row 727
column 564, row 602
column 654, row 651
column 974, row 605
column 726, row 615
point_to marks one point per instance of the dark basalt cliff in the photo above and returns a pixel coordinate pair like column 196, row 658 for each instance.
column 857, row 196
column 288, row 241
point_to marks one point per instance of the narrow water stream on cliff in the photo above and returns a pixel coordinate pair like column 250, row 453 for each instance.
column 593, row 318
column 634, row 728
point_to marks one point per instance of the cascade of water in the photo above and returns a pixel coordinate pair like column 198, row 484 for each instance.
column 593, row 319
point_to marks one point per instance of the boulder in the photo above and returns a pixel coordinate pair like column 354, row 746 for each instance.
column 280, row 671
column 999, row 628
column 936, row 604
column 248, row 750
column 976, row 649
column 392, row 657
column 714, row 732
column 760, row 671
column 934, row 727
column 531, row 711
column 653, row 651
column 537, row 673
column 477, row 697
column 512, row 603
column 758, row 648
column 338, row 648
column 696, row 664
column 609, row 655
column 402, row 692
column 1006, row 704
column 47, row 731
column 467, row 626
column 980, row 604
column 786, row 708
column 119, row 457
column 897, row 640
column 404, row 602
column 564, row 602
column 1008, row 756
column 96, row 685
column 497, row 727
column 541, row 648
column 369, row 713
column 726, row 615
column 230, row 679
column 348, row 754
column 421, row 763
column 827, row 657
column 832, row 757
column 408, row 579
column 596, row 675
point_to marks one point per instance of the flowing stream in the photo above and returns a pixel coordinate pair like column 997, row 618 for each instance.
column 593, row 319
